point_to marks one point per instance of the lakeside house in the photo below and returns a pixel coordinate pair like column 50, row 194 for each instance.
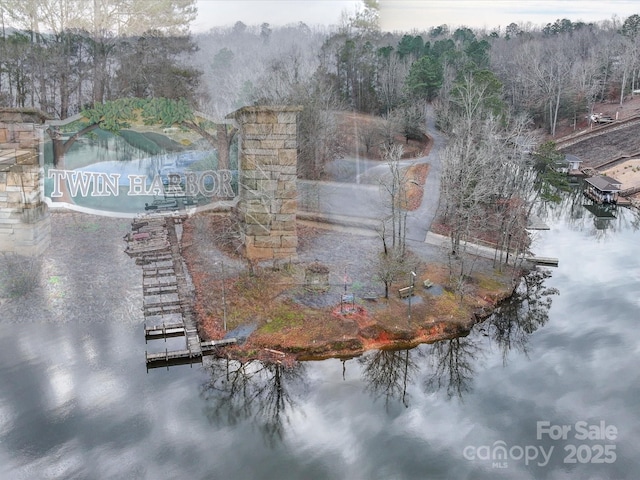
column 569, row 165
column 602, row 189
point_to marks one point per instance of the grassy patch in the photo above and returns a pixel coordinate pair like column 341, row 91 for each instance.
column 281, row 318
column 448, row 306
column 492, row 287
column 488, row 282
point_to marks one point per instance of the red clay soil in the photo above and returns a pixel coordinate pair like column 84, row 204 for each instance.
column 416, row 176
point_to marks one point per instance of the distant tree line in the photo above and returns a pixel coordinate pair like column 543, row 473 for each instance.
column 62, row 56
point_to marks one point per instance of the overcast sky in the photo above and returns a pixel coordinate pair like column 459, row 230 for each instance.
column 411, row 14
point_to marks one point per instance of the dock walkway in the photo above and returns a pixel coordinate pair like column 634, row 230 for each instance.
column 167, row 291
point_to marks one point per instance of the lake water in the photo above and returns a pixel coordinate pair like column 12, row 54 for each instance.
column 76, row 401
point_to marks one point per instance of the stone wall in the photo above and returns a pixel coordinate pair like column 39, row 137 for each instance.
column 25, row 226
column 267, row 181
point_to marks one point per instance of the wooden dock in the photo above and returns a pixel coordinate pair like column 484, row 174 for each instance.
column 536, row 223
column 167, row 291
column 164, row 331
column 170, row 358
column 592, row 197
column 546, row 261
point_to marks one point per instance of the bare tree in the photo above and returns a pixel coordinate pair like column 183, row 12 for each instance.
column 74, row 43
column 390, row 79
column 395, row 187
column 390, row 266
column 368, row 135
column 393, row 228
column 468, row 173
column 318, row 129
column 485, row 176
column 548, row 66
column 390, row 126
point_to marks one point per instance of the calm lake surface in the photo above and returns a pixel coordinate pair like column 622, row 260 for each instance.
column 76, row 401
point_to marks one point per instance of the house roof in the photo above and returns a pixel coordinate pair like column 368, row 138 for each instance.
column 604, row 183
column 572, row 158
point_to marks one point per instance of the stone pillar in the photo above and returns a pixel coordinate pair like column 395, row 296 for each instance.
column 25, row 225
column 267, row 181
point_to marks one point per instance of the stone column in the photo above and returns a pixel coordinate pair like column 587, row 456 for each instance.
column 267, row 181
column 25, row 225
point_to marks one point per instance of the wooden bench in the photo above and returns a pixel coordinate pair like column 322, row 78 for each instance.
column 427, row 283
column 405, row 292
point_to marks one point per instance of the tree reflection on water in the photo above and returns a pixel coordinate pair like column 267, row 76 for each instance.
column 266, row 393
column 388, row 372
column 523, row 313
column 252, row 391
column 451, row 365
column 452, row 362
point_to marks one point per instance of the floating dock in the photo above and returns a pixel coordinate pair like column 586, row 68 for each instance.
column 536, row 223
column 170, row 358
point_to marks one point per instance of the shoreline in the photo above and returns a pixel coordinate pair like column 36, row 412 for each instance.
column 291, row 323
column 439, row 331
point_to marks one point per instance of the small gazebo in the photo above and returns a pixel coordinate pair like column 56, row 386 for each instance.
column 570, row 165
column 316, row 277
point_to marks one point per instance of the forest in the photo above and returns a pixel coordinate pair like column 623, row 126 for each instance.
column 494, row 92
column 61, row 56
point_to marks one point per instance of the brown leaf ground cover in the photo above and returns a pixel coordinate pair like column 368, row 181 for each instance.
column 416, row 176
column 308, row 324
